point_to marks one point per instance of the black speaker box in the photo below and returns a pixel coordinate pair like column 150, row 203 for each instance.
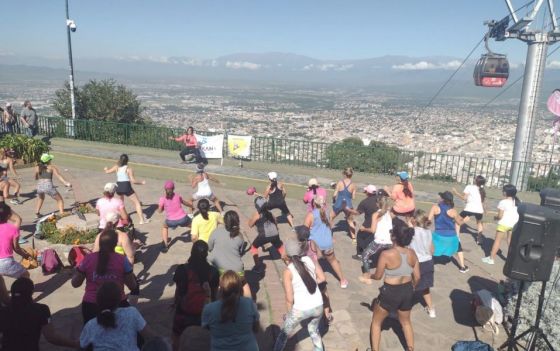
column 550, row 198
column 534, row 243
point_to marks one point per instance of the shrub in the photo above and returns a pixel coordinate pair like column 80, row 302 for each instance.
column 70, row 235
column 26, row 148
column 438, row 177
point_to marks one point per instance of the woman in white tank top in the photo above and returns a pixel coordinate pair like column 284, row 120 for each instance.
column 125, row 179
column 201, row 181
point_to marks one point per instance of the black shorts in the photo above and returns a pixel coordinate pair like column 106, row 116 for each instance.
column 282, row 206
column 464, row 214
column 124, row 188
column 260, row 240
column 396, row 297
column 426, row 275
column 362, row 241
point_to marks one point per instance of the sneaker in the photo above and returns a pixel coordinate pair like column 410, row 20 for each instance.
column 145, row 221
column 365, row 280
column 488, row 260
column 15, row 201
column 357, row 257
column 164, row 247
column 354, row 242
column 464, row 269
column 22, row 240
column 431, row 312
column 344, row 284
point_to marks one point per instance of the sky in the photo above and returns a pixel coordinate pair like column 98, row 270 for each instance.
column 323, row 29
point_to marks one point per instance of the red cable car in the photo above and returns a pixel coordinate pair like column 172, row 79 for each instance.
column 491, row 70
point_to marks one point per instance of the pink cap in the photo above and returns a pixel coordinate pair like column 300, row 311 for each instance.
column 370, row 189
column 169, row 184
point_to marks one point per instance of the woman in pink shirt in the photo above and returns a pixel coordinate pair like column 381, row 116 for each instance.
column 9, row 242
column 403, row 195
column 313, row 189
column 110, row 203
column 175, row 215
column 190, row 146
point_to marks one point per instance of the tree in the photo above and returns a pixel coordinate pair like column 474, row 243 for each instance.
column 103, row 100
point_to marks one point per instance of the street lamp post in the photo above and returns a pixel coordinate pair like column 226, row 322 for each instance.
column 71, row 27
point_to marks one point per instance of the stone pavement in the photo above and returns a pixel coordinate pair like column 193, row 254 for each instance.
column 352, row 317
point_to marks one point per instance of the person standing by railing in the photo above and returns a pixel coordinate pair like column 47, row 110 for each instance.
column 29, row 119
column 190, row 147
column 9, row 118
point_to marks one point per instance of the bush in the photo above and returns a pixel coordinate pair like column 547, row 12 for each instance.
column 26, row 148
column 438, row 177
column 70, row 235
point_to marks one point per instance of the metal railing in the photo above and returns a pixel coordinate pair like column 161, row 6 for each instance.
column 378, row 160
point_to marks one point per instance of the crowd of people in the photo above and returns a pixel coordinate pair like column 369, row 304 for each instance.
column 395, row 243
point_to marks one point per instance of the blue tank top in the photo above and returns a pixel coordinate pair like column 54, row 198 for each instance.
column 343, row 196
column 320, row 231
column 444, row 225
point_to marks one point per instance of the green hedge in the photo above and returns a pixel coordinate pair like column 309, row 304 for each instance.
column 26, row 148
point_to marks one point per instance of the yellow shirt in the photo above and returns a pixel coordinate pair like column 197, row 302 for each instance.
column 203, row 228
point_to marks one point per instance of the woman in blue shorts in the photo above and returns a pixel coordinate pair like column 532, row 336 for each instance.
column 175, row 216
column 344, row 193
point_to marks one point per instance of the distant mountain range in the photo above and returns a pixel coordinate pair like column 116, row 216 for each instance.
column 392, row 74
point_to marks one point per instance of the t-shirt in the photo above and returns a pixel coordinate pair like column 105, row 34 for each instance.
column 510, row 215
column 181, row 279
column 226, row 252
column 403, row 203
column 117, row 267
column 123, row 337
column 474, row 202
column 308, row 197
column 422, row 244
column 368, row 207
column 204, row 228
column 8, row 232
column 231, row 336
column 22, row 329
column 30, row 116
column 173, row 207
column 105, row 205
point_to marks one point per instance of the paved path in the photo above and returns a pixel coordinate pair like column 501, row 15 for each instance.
column 350, row 329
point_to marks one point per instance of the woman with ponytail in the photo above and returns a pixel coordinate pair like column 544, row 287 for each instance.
column 205, row 222
column 403, row 195
column 313, row 189
column 233, row 319
column 303, row 297
column 227, row 248
column 275, row 194
column 115, row 327
column 320, row 227
column 344, row 193
column 124, row 245
column 267, row 231
column 100, row 267
column 23, row 321
column 474, row 196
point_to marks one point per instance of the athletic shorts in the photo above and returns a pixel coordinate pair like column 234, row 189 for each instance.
column 45, row 186
column 11, row 268
column 282, row 206
column 260, row 240
column 396, row 297
column 182, row 222
column 426, row 275
column 464, row 214
column 124, row 188
column 210, row 197
column 503, row 228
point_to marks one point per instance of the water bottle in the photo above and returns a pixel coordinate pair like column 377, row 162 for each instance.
column 39, row 258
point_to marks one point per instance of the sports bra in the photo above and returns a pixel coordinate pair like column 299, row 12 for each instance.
column 404, row 270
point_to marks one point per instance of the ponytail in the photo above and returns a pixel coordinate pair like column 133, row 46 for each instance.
column 203, row 207
column 480, row 181
column 510, row 190
column 231, row 222
column 314, row 189
column 303, row 272
column 107, row 242
column 406, row 188
column 273, row 184
column 108, row 299
column 323, row 214
column 231, row 287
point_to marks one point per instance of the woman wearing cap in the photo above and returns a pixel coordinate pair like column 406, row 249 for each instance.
column 303, row 298
column 313, row 189
column 44, row 175
column 401, row 269
column 445, row 239
column 175, row 216
column 344, row 193
column 267, row 230
column 320, row 227
column 7, row 164
column 201, row 181
column 190, row 145
column 275, row 194
column 403, row 195
column 474, row 196
column 367, row 207
column 9, row 118
column 109, row 203
column 125, row 179
column 124, row 245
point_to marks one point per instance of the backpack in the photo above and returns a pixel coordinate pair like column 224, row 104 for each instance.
column 51, row 262
column 198, row 294
column 471, row 346
column 77, row 255
column 487, row 310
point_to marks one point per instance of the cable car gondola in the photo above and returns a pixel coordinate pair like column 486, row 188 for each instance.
column 491, row 70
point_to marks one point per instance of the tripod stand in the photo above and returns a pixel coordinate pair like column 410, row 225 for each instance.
column 535, row 330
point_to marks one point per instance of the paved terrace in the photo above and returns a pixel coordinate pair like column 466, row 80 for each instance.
column 82, row 163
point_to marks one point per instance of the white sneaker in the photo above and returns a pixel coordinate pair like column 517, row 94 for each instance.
column 488, row 260
column 431, row 312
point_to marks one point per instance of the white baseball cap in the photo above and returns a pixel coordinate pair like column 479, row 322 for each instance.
column 110, row 187
column 370, row 189
column 272, row 175
column 8, row 104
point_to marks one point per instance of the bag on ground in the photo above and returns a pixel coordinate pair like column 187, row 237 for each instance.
column 487, row 310
column 471, row 346
column 51, row 262
column 77, row 255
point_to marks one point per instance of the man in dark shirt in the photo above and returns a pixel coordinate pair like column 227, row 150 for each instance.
column 367, row 207
column 23, row 321
column 29, row 119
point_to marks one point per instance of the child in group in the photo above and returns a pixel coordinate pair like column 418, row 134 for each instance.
column 507, row 218
column 474, row 196
column 422, row 244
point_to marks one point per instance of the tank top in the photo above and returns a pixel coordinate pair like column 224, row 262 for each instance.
column 383, row 231
column 320, row 231
column 404, row 270
column 344, row 196
column 45, row 174
column 276, row 197
column 444, row 225
column 4, row 164
column 303, row 300
column 265, row 227
column 122, row 174
column 203, row 187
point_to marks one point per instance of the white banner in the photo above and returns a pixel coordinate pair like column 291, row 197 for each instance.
column 239, row 146
column 210, row 146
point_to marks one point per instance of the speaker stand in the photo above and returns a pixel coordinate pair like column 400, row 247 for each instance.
column 535, row 330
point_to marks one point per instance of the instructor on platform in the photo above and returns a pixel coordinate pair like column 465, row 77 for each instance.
column 190, row 147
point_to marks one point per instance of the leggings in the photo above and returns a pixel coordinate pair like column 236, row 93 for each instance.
column 372, row 251
column 190, row 150
column 293, row 319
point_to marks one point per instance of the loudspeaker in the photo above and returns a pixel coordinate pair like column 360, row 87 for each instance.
column 534, row 241
column 550, row 198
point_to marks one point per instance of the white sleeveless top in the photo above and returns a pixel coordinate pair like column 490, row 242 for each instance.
column 303, row 300
column 384, row 227
column 122, row 175
column 203, row 188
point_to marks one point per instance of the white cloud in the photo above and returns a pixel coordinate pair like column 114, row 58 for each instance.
column 6, row 53
column 159, row 59
column 327, row 67
column 425, row 65
column 553, row 65
column 243, row 65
